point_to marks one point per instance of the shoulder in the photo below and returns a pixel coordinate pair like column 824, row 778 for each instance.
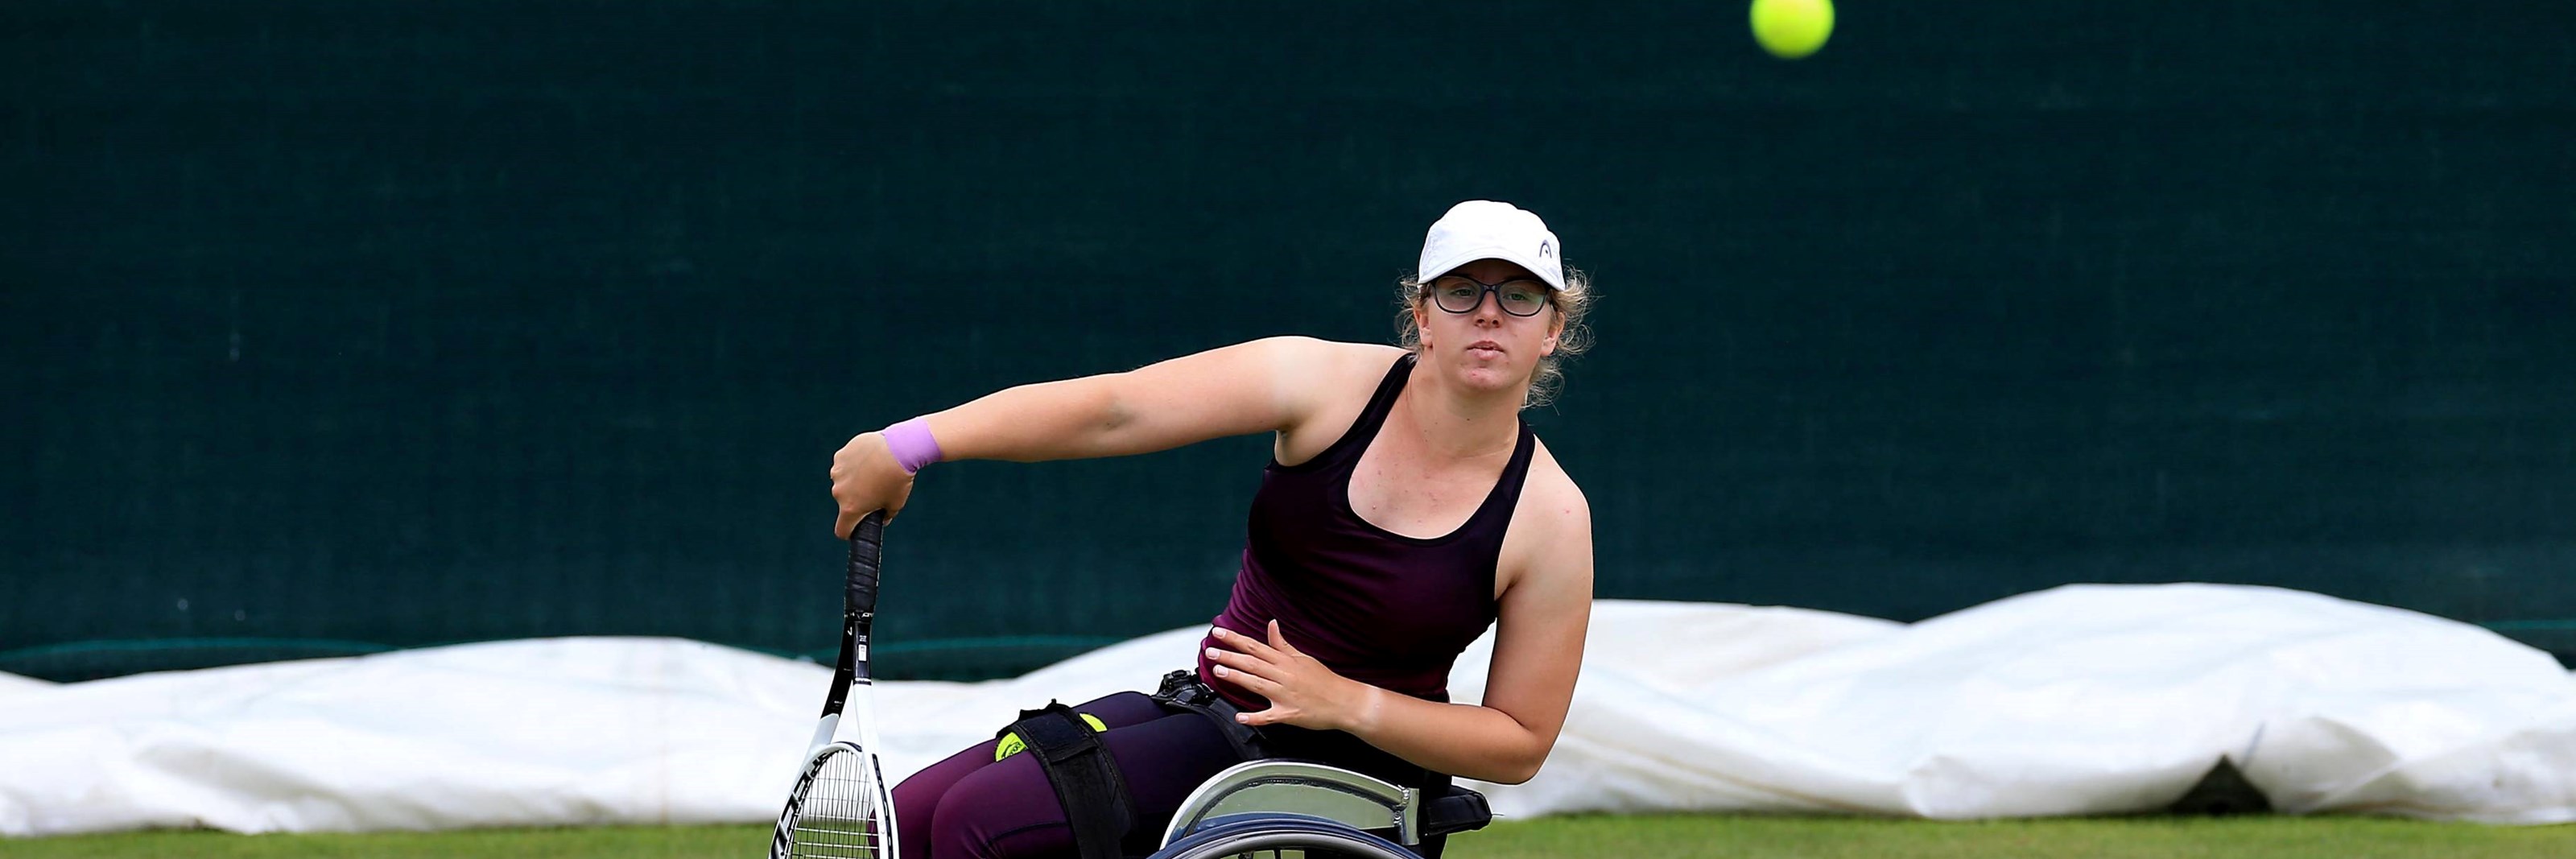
column 1325, row 384
column 1551, row 530
column 1313, row 353
column 1551, row 501
column 1321, row 375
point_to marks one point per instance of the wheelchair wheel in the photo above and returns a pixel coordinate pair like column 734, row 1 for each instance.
column 1282, row 836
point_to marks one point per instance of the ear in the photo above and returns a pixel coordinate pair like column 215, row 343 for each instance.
column 1555, row 329
column 1422, row 321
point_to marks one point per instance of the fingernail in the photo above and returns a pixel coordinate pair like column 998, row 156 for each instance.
column 1212, row 653
column 1221, row 633
column 1220, row 671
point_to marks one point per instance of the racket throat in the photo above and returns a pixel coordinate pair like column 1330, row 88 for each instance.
column 823, row 733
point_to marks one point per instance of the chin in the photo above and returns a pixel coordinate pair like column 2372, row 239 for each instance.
column 1478, row 376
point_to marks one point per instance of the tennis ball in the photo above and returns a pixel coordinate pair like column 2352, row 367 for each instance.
column 1790, row 29
column 1011, row 745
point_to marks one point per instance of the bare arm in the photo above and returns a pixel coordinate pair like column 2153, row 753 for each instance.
column 1268, row 384
column 1538, row 650
column 1234, row 390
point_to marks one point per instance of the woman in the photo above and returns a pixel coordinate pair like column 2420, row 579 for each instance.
column 1407, row 508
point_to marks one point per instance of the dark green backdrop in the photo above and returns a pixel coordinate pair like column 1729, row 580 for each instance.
column 332, row 327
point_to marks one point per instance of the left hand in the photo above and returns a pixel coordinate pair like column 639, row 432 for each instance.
column 1301, row 690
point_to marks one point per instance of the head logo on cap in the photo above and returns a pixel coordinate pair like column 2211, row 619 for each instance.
column 1485, row 229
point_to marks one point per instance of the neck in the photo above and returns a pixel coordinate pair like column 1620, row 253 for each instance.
column 1457, row 423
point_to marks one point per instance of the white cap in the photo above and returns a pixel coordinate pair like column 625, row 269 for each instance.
column 1484, row 229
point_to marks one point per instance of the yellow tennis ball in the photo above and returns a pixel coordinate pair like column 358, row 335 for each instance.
column 1790, row 29
column 1011, row 745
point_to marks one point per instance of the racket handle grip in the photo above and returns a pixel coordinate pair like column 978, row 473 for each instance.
column 867, row 555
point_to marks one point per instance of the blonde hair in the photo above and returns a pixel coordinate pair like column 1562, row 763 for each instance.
column 1571, row 304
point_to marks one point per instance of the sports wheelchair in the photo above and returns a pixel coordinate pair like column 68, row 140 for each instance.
column 1290, row 809
column 1273, row 804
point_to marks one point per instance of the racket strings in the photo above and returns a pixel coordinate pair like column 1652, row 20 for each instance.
column 841, row 818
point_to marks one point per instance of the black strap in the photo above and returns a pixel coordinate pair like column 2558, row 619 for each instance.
column 1182, row 691
column 1084, row 776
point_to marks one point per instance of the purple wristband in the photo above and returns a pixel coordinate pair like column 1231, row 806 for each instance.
column 912, row 445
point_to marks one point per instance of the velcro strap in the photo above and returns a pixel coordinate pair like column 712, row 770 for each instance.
column 1085, row 777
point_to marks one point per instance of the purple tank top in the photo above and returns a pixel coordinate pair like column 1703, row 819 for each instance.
column 1378, row 607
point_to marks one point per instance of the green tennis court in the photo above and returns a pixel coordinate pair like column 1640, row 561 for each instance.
column 1552, row 838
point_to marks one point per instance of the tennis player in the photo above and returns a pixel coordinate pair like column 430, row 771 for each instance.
column 1407, row 508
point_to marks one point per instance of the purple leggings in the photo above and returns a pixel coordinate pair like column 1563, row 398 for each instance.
column 973, row 807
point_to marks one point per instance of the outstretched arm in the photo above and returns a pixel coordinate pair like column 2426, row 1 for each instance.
column 1244, row 388
column 1234, row 390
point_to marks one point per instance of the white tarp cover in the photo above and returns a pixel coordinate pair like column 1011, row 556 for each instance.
column 2078, row 700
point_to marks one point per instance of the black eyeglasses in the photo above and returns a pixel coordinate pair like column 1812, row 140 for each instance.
column 1458, row 293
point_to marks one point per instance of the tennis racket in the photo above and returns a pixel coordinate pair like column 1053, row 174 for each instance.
column 841, row 806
